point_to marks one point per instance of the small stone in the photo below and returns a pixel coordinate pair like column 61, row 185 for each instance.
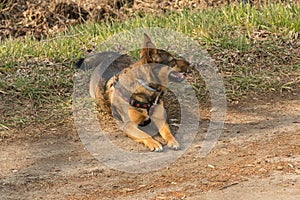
column 128, row 189
column 210, row 166
column 262, row 170
column 290, row 165
column 280, row 167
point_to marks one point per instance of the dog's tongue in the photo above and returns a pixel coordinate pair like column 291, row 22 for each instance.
column 176, row 76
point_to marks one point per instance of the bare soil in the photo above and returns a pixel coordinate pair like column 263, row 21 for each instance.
column 256, row 157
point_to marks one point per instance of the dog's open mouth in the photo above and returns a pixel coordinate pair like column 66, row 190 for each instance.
column 176, row 76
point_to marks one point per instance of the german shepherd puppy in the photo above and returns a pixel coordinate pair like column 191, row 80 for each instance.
column 133, row 90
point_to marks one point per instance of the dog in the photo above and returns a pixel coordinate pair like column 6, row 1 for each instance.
column 132, row 91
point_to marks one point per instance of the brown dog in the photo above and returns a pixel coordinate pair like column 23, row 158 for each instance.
column 133, row 90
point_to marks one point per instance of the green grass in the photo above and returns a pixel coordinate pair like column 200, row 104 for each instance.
column 253, row 49
column 227, row 27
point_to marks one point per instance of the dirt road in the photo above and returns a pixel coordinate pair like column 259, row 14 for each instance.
column 257, row 157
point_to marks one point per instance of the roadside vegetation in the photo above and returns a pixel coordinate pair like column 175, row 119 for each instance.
column 256, row 49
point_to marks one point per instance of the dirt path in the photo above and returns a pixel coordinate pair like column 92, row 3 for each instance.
column 257, row 157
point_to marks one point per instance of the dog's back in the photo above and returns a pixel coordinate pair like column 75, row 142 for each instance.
column 104, row 65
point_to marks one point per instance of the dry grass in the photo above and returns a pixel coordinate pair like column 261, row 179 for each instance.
column 256, row 55
column 43, row 18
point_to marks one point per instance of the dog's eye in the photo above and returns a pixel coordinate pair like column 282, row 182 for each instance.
column 172, row 63
column 157, row 59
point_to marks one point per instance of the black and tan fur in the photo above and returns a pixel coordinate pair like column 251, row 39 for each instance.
column 121, row 83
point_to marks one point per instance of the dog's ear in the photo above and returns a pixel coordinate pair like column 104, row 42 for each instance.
column 148, row 49
column 148, row 43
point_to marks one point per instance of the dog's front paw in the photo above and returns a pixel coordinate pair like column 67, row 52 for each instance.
column 173, row 144
column 154, row 145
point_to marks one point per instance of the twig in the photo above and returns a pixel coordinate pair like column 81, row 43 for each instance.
column 227, row 186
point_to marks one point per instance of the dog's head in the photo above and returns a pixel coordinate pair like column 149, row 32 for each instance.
column 165, row 74
column 153, row 55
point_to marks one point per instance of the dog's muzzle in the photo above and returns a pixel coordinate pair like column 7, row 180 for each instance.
column 176, row 76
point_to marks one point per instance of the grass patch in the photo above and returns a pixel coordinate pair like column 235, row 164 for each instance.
column 256, row 50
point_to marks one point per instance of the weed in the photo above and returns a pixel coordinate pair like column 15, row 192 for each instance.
column 255, row 49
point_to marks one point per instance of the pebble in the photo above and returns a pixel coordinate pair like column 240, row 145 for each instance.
column 280, row 167
column 290, row 165
column 262, row 170
column 211, row 166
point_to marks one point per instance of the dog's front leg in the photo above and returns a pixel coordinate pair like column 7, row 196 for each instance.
column 159, row 118
column 131, row 129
